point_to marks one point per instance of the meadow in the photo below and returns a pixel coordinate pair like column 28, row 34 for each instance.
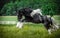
column 28, row 30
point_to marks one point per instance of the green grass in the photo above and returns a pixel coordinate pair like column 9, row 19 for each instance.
column 14, row 18
column 28, row 31
column 8, row 18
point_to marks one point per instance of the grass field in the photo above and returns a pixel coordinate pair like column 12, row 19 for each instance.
column 28, row 30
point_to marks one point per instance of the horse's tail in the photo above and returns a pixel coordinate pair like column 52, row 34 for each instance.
column 54, row 23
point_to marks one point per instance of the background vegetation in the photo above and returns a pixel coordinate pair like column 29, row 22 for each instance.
column 49, row 7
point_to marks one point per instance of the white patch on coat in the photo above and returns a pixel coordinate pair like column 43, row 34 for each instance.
column 36, row 11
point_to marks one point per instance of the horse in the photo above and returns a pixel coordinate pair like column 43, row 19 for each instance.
column 35, row 16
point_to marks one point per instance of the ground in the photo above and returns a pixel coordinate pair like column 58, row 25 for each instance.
column 28, row 30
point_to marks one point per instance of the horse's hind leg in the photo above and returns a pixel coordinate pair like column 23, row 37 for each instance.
column 47, row 26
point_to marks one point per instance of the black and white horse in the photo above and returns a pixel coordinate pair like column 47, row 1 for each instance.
column 35, row 16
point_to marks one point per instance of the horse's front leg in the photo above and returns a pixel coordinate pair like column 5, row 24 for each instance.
column 20, row 23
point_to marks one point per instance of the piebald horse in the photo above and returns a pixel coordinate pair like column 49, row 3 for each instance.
column 35, row 16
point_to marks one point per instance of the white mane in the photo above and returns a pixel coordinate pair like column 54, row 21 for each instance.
column 36, row 11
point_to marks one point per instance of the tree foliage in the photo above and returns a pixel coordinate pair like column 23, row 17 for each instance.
column 49, row 7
